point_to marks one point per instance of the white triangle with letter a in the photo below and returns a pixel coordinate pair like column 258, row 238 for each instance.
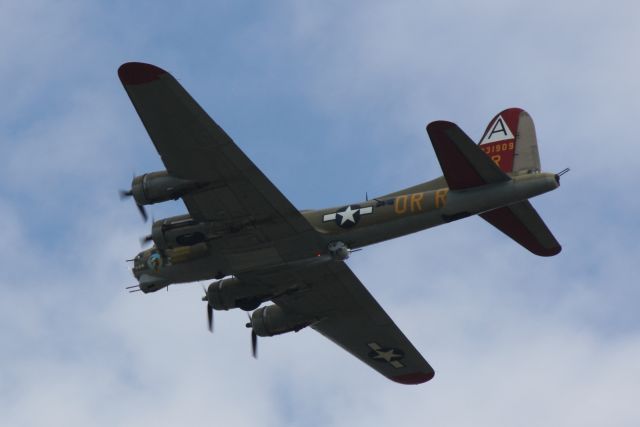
column 498, row 131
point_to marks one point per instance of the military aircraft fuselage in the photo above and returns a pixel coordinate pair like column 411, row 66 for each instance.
column 341, row 230
column 244, row 233
column 388, row 217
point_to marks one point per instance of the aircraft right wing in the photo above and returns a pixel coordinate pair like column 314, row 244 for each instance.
column 353, row 319
column 193, row 147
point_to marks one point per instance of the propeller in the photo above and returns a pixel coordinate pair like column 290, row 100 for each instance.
column 210, row 317
column 124, row 194
column 254, row 336
column 254, row 339
column 209, row 310
column 254, row 344
column 145, row 240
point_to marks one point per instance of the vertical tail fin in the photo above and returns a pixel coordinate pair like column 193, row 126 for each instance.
column 510, row 141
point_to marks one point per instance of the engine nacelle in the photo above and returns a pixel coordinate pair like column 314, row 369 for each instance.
column 231, row 293
column 180, row 231
column 272, row 320
column 156, row 187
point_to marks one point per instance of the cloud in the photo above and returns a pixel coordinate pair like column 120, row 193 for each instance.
column 310, row 90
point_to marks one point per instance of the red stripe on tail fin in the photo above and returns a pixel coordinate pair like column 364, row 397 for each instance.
column 499, row 140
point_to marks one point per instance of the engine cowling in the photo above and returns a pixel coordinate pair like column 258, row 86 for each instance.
column 157, row 187
column 181, row 231
column 231, row 293
column 272, row 320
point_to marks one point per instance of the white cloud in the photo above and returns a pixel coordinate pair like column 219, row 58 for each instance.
column 515, row 339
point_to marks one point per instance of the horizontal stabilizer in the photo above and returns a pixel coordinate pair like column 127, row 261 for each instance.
column 463, row 163
column 522, row 223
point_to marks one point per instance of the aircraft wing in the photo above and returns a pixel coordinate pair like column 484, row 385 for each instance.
column 192, row 146
column 353, row 319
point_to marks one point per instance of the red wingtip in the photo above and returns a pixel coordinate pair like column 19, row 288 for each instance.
column 415, row 378
column 554, row 250
column 136, row 73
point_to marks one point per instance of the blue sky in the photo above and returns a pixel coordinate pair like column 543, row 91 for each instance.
column 330, row 99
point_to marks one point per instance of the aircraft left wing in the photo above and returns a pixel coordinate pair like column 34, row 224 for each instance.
column 192, row 146
column 353, row 319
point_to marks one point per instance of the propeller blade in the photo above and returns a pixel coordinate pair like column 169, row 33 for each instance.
column 210, row 317
column 205, row 298
column 143, row 212
column 254, row 344
column 254, row 338
column 125, row 194
column 146, row 240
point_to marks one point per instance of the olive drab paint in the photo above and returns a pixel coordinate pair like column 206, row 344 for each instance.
column 242, row 232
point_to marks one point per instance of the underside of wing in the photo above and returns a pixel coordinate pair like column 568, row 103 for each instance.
column 193, row 147
column 353, row 319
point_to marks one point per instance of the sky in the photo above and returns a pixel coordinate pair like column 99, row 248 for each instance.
column 330, row 99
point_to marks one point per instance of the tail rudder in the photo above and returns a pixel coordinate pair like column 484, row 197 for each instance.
column 510, row 141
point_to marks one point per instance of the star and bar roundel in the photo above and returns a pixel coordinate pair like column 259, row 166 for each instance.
column 347, row 216
column 392, row 356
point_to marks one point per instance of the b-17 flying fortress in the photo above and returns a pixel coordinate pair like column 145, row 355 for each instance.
column 244, row 234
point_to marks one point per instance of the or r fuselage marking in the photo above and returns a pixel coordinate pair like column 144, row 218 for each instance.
column 409, row 203
column 400, row 205
column 420, row 202
column 441, row 198
column 416, row 202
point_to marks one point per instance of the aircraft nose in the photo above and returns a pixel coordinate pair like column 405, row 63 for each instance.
column 146, row 269
column 138, row 264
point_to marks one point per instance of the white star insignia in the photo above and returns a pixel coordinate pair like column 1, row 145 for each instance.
column 347, row 215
